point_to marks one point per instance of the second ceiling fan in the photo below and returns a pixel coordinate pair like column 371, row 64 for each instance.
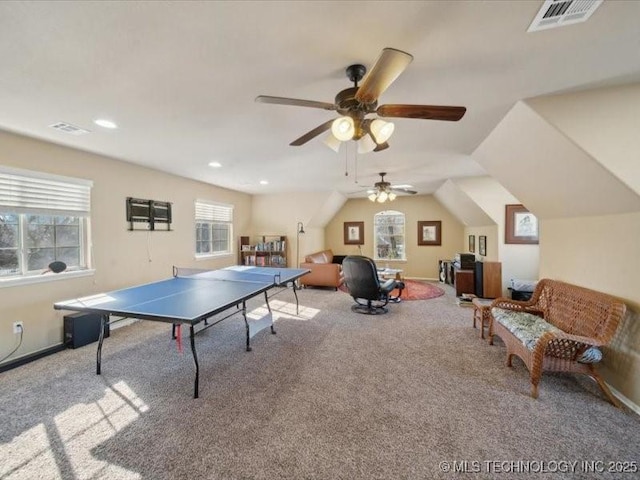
column 355, row 103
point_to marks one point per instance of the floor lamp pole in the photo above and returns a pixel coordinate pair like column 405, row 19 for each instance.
column 299, row 231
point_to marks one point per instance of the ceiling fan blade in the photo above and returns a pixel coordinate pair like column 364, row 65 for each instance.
column 389, row 65
column 427, row 112
column 381, row 146
column 296, row 102
column 403, row 190
column 312, row 133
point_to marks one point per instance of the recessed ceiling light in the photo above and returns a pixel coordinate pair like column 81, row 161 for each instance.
column 105, row 123
column 264, row 182
column 215, row 164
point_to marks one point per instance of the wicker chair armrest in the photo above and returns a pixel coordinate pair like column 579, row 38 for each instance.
column 562, row 345
column 579, row 339
column 517, row 305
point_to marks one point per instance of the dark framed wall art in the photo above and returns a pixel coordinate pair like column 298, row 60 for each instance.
column 354, row 233
column 482, row 245
column 472, row 243
column 430, row 232
column 521, row 226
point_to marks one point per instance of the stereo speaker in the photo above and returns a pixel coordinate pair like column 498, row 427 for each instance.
column 82, row 329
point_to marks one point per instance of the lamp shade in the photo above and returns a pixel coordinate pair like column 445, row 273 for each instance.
column 381, row 131
column 343, row 128
column 366, row 144
column 373, row 196
column 332, row 142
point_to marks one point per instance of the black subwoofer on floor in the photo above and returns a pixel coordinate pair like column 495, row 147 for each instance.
column 81, row 329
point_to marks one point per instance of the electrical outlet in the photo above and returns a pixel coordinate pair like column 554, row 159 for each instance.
column 18, row 328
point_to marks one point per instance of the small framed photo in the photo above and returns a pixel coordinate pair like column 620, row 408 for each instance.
column 430, row 232
column 521, row 226
column 354, row 233
column 482, row 245
column 472, row 243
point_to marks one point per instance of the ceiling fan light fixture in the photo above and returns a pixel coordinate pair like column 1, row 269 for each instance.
column 373, row 197
column 381, row 131
column 392, row 196
column 332, row 142
column 366, row 144
column 382, row 197
column 343, row 128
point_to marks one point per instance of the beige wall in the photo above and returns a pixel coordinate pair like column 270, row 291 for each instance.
column 491, row 232
column 603, row 122
column 602, row 253
column 120, row 257
column 518, row 261
column 280, row 213
column 422, row 261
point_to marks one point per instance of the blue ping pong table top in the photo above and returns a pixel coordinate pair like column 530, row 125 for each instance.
column 187, row 299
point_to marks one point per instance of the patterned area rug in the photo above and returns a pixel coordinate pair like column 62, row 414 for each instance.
column 414, row 290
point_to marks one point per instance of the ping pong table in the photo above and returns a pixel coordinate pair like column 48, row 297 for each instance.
column 190, row 297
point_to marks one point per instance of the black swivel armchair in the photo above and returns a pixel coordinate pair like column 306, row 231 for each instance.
column 361, row 278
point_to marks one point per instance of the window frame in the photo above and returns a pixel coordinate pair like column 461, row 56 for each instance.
column 25, row 194
column 213, row 214
column 395, row 213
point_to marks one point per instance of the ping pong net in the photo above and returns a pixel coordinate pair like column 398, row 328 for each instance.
column 230, row 274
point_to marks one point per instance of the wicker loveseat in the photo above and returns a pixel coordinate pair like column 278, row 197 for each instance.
column 559, row 329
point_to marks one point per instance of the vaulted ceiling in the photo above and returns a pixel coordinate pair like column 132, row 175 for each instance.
column 180, row 80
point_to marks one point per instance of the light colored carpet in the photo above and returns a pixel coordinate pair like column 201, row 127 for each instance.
column 334, row 395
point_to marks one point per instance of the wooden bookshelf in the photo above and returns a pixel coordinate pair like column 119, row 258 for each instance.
column 263, row 251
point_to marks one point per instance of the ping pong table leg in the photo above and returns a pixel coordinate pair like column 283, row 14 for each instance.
column 266, row 299
column 246, row 324
column 195, row 359
column 103, row 318
column 295, row 293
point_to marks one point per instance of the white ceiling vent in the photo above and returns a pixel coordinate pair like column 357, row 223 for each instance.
column 558, row 13
column 68, row 128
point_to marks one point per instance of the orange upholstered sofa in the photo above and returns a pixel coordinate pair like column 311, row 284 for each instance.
column 324, row 273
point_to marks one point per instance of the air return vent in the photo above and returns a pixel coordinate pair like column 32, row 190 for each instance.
column 68, row 128
column 558, row 13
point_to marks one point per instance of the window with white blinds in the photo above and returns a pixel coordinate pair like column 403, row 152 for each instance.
column 214, row 228
column 28, row 192
column 43, row 218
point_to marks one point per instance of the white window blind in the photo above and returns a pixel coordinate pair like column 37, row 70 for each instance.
column 213, row 212
column 22, row 191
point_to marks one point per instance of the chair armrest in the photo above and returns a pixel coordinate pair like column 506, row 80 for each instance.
column 388, row 285
column 527, row 306
column 563, row 345
column 322, row 267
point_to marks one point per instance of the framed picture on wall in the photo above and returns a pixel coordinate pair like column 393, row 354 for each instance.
column 482, row 245
column 430, row 232
column 521, row 226
column 354, row 233
column 472, row 243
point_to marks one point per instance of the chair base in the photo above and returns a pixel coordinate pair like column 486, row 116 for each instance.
column 369, row 309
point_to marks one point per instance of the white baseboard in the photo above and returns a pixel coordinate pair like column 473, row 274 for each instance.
column 627, row 402
column 423, row 278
